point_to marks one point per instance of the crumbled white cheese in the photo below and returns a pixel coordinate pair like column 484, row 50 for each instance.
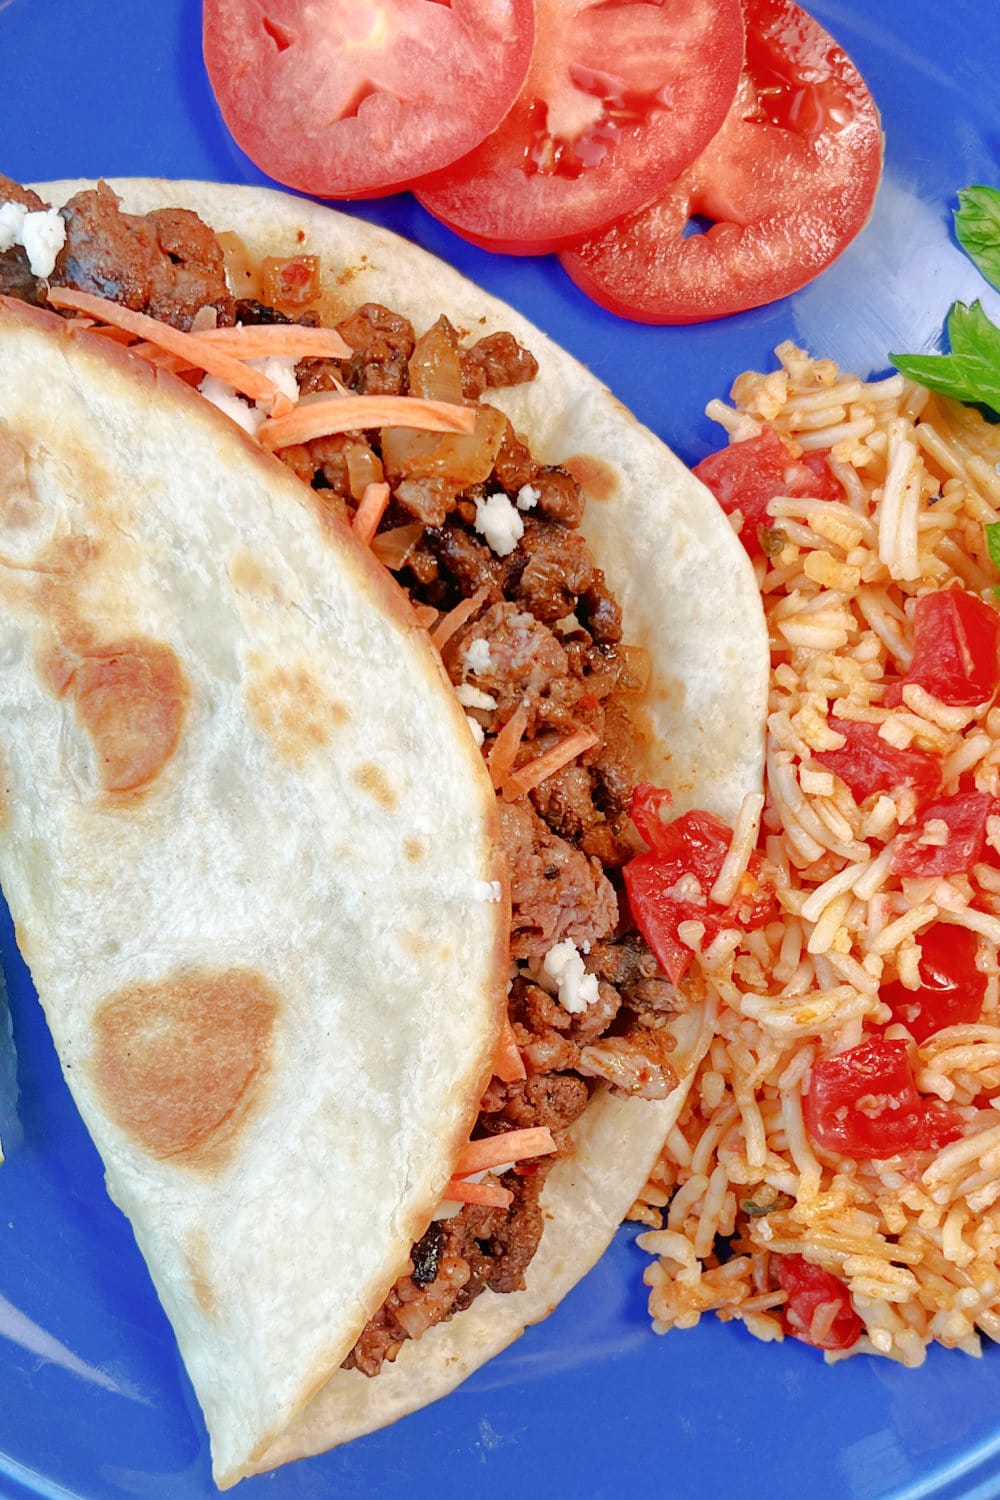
column 577, row 989
column 473, row 697
column 486, row 890
column 477, row 729
column 528, row 497
column 41, row 231
column 221, row 394
column 12, row 216
column 280, row 370
column 476, row 655
column 43, row 236
column 499, row 523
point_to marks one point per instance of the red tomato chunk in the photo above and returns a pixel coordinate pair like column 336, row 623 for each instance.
column 819, row 1308
column 864, row 1104
column 952, row 988
column 965, row 815
column 693, row 845
column 867, row 763
column 956, row 649
column 745, row 476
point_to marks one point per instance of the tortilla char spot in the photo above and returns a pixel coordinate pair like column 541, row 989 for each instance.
column 131, row 698
column 179, row 1064
column 196, row 1254
column 292, row 709
column 19, row 507
column 414, row 850
column 594, row 475
column 373, row 780
column 248, row 575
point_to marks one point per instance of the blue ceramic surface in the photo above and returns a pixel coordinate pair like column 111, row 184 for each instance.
column 93, row 1400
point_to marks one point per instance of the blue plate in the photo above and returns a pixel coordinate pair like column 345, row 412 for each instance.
column 93, row 1400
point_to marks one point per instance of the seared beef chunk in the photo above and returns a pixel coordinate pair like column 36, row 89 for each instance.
column 382, row 341
column 566, row 801
column 549, row 571
column 557, row 892
column 496, row 360
column 467, row 561
column 167, row 263
column 16, row 279
column 615, row 767
column 552, row 1099
column 252, row 314
column 600, row 611
column 560, row 497
column 524, row 662
column 13, row 192
column 514, row 466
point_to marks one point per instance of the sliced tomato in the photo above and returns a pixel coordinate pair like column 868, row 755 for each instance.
column 789, row 180
column 745, row 476
column 818, row 1309
column 619, row 100
column 965, row 816
column 352, row 98
column 864, row 1104
column 868, row 763
column 956, row 649
column 951, row 990
column 694, row 844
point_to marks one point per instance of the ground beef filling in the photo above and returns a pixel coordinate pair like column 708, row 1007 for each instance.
column 546, row 639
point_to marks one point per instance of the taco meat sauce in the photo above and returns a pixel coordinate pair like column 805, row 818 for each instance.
column 485, row 540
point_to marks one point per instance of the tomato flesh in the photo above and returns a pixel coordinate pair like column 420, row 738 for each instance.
column 786, row 184
column 952, row 989
column 812, row 1290
column 352, row 97
column 694, row 844
column 745, row 476
column 956, row 649
column 965, row 815
column 868, row 763
column 620, row 98
column 864, row 1104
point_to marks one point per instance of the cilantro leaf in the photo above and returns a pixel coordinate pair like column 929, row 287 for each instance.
column 971, row 372
column 977, row 228
column 992, row 534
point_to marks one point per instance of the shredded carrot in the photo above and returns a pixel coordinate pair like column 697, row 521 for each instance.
column 426, row 615
column 505, row 747
column 392, row 548
column 495, row 1150
column 113, row 335
column 370, row 512
column 485, row 1194
column 353, row 413
column 154, row 355
column 456, row 618
column 546, row 764
column 508, row 1065
column 189, row 346
column 286, row 340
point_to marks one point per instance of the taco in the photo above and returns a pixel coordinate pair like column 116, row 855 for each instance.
column 563, row 654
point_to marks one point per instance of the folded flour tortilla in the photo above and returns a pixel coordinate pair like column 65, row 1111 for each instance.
column 688, row 594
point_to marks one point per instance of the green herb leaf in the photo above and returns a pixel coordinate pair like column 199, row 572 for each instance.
column 992, row 534
column 971, row 372
column 977, row 228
